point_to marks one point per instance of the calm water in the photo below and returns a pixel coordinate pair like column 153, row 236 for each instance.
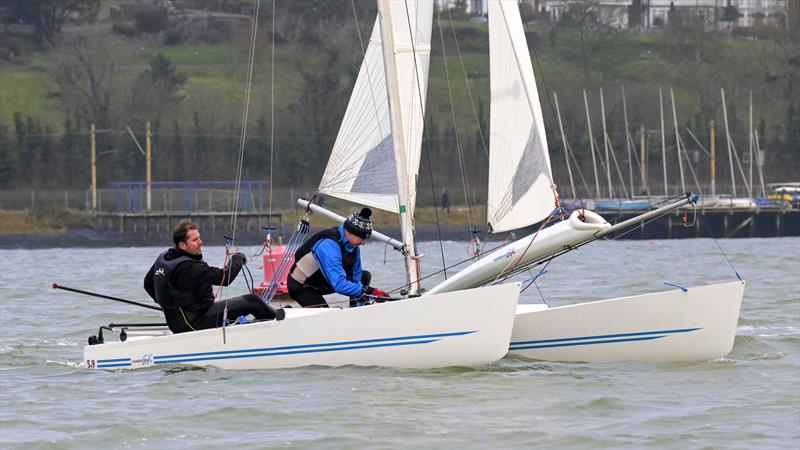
column 751, row 399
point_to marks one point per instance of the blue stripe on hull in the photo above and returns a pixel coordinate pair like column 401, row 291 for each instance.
column 103, row 361
column 598, row 339
column 120, row 362
column 288, row 350
column 310, row 346
column 316, row 350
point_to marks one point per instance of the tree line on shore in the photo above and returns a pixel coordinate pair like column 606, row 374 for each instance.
column 196, row 114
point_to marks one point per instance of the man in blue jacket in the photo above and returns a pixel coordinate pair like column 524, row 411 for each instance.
column 330, row 261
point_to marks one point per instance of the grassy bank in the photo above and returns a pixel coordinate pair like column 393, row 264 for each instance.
column 27, row 223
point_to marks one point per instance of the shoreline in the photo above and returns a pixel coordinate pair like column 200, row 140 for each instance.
column 91, row 238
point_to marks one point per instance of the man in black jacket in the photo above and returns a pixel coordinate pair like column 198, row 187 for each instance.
column 180, row 282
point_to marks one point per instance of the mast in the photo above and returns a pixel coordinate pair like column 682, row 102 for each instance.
column 663, row 140
column 403, row 136
column 605, row 145
column 566, row 152
column 627, row 139
column 643, row 146
column 752, row 146
column 591, row 146
column 728, row 138
column 760, row 162
column 713, row 138
column 677, row 139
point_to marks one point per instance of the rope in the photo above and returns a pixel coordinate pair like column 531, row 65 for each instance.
column 436, row 213
column 533, row 278
column 281, row 272
column 720, row 249
column 515, row 266
column 669, row 282
column 243, row 135
column 248, row 279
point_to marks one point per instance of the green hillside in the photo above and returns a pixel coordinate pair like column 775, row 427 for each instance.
column 197, row 122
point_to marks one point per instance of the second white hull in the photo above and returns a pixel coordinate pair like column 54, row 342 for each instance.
column 670, row 326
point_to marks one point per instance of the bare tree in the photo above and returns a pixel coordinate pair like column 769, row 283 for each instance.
column 86, row 77
column 48, row 17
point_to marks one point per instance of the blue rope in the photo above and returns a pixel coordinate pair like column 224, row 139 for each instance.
column 677, row 286
column 533, row 278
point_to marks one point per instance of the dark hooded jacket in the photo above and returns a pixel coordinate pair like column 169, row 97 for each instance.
column 186, row 286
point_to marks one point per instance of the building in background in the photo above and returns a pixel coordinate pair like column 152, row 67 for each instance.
column 648, row 14
column 473, row 7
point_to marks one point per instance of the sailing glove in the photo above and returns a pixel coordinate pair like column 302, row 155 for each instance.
column 241, row 257
column 376, row 292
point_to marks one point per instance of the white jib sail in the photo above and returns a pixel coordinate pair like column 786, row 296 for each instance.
column 362, row 166
column 520, row 177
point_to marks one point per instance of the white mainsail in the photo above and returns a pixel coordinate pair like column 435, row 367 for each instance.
column 520, row 179
column 361, row 167
column 406, row 36
column 363, row 164
column 375, row 160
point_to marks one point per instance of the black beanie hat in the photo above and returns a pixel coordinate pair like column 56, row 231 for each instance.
column 359, row 223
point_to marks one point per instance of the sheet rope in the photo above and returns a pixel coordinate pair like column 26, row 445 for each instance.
column 297, row 239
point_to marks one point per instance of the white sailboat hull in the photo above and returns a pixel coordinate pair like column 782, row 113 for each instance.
column 670, row 326
column 454, row 329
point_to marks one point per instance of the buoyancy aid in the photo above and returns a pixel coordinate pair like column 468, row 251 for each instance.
column 168, row 296
column 306, row 270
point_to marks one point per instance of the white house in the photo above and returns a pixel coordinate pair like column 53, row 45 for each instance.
column 649, row 13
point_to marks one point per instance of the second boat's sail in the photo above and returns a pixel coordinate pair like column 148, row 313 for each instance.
column 520, row 179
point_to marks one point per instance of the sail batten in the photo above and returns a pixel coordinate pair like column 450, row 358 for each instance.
column 520, row 178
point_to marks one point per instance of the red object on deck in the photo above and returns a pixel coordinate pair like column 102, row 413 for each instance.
column 271, row 262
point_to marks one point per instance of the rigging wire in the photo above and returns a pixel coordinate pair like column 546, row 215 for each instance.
column 642, row 262
column 466, row 80
column 243, row 136
column 242, row 140
column 708, row 230
column 425, row 134
column 461, row 164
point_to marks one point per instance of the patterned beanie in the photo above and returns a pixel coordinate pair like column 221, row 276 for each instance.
column 359, row 223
